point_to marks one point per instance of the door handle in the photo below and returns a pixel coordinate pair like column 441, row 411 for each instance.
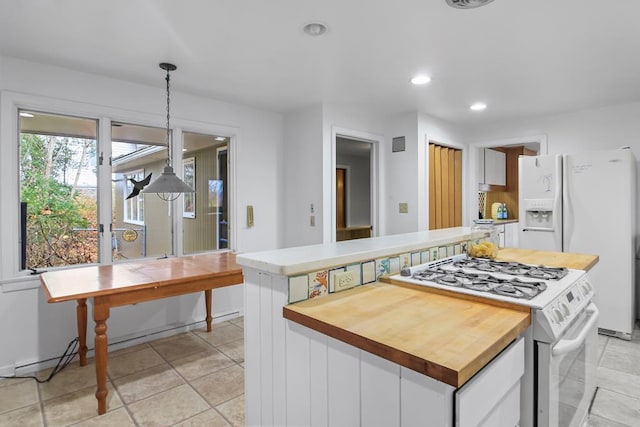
column 566, row 346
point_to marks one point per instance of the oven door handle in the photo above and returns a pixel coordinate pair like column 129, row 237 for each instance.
column 566, row 346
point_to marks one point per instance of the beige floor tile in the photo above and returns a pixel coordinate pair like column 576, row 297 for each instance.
column 78, row 406
column 239, row 321
column 233, row 410
column 130, row 363
column 119, row 417
column 209, row 418
column 131, row 349
column 18, row 395
column 222, row 334
column 234, row 350
column 180, row 346
column 146, row 383
column 169, row 407
column 221, row 386
column 616, row 407
column 71, row 379
column 201, row 364
column 23, row 417
column 4, row 382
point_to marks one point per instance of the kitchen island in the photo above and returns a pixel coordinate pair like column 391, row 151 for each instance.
column 349, row 358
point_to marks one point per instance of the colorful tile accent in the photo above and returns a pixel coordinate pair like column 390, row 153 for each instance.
column 318, row 284
column 332, row 274
column 298, row 288
column 368, row 272
column 321, row 283
column 382, row 267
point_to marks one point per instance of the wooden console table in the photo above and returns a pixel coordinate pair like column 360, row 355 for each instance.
column 129, row 283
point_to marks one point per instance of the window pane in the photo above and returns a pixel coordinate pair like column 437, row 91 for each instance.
column 58, row 190
column 142, row 225
column 205, row 211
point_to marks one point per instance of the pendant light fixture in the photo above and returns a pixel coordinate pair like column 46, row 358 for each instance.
column 168, row 186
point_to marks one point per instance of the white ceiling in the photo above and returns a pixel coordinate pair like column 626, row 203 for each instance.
column 521, row 57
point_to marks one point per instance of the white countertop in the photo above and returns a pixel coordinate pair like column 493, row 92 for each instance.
column 290, row 261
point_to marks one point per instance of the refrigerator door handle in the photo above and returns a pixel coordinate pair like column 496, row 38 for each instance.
column 551, row 230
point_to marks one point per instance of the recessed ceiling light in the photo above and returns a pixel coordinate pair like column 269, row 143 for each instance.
column 25, row 114
column 421, row 80
column 220, row 138
column 478, row 106
column 315, row 29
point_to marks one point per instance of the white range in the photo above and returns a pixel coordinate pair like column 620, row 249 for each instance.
column 560, row 347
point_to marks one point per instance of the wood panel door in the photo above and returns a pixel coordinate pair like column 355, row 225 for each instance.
column 341, row 198
column 445, row 187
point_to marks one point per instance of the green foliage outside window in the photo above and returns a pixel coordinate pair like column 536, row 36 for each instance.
column 61, row 218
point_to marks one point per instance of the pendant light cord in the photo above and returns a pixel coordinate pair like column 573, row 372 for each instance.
column 169, row 157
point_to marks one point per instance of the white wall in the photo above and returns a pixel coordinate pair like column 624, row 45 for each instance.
column 303, row 171
column 407, row 178
column 31, row 329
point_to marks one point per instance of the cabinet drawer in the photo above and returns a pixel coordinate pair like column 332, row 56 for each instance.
column 495, row 389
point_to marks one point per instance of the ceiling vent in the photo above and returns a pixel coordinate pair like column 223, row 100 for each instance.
column 467, row 4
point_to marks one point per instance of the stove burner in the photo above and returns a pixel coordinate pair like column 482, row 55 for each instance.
column 512, row 268
column 481, row 282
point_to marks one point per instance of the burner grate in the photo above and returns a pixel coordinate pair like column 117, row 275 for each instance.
column 481, row 282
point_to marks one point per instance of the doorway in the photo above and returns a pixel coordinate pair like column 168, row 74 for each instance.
column 353, row 188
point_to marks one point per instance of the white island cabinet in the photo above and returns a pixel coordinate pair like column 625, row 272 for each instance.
column 297, row 376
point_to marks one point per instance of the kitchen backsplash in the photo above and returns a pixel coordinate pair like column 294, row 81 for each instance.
column 320, row 283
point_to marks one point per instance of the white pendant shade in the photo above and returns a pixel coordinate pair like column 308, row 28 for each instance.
column 168, row 186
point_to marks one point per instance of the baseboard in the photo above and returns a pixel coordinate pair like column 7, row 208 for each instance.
column 118, row 343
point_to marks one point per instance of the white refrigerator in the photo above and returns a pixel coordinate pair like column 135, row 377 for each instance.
column 586, row 203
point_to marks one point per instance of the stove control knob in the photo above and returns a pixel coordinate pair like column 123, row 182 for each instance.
column 565, row 309
column 558, row 317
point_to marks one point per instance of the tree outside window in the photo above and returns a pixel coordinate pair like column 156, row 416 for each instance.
column 58, row 189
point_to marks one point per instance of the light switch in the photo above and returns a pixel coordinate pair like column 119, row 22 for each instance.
column 249, row 216
column 312, row 221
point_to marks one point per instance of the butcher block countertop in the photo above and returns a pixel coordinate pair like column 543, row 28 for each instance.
column 446, row 336
column 550, row 259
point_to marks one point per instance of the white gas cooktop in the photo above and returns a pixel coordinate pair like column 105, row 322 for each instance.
column 535, row 292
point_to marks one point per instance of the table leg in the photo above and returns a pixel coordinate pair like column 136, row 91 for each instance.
column 207, row 304
column 100, row 316
column 81, row 318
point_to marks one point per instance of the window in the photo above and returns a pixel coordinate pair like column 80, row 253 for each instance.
column 58, row 190
column 206, row 208
column 71, row 169
column 141, row 224
column 133, row 205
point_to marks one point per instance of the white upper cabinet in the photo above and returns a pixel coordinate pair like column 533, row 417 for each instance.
column 494, row 168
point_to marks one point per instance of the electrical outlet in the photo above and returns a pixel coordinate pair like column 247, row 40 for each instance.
column 404, row 207
column 344, row 280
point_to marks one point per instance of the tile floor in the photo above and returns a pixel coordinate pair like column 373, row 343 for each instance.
column 191, row 379
column 617, row 400
column 197, row 379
